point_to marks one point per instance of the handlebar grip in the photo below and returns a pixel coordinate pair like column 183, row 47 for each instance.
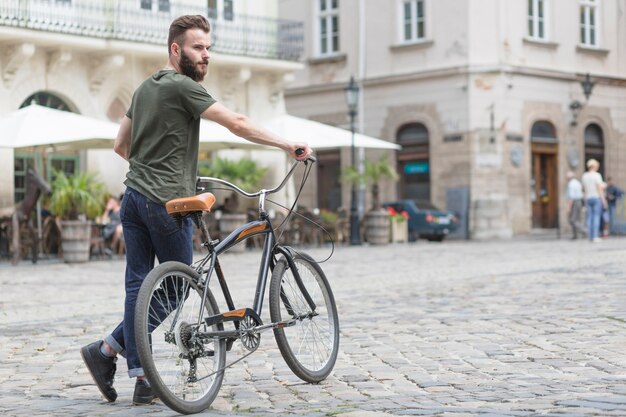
column 311, row 158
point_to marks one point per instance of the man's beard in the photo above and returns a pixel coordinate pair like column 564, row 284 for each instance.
column 188, row 68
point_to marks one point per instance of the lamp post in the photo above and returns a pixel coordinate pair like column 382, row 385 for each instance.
column 576, row 106
column 352, row 98
column 587, row 85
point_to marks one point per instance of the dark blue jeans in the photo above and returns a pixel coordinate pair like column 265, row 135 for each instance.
column 149, row 232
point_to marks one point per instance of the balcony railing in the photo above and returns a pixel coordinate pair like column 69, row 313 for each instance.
column 252, row 36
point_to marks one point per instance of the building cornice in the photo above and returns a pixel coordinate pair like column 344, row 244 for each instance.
column 463, row 70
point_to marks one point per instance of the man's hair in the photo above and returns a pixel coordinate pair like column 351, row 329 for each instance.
column 181, row 25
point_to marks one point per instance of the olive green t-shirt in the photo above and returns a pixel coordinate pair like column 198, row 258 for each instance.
column 165, row 119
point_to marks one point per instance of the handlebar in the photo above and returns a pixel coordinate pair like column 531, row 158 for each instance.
column 261, row 193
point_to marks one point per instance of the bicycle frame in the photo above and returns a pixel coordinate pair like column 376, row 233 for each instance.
column 262, row 226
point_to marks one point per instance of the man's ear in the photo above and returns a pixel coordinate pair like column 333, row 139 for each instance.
column 175, row 49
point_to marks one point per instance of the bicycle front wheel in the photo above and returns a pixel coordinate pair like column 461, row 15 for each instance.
column 184, row 367
column 308, row 339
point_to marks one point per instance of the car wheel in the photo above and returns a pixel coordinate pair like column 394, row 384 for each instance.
column 435, row 238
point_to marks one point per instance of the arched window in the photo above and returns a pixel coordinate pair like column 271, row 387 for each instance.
column 594, row 144
column 413, row 161
column 46, row 99
column 413, row 134
column 543, row 132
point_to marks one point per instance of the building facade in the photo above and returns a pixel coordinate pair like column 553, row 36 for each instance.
column 89, row 56
column 486, row 97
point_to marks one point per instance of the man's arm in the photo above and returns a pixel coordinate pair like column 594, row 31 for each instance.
column 242, row 126
column 122, row 142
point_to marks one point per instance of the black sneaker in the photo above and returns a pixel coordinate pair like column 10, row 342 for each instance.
column 101, row 368
column 143, row 393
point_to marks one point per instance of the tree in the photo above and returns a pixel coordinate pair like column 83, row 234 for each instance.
column 372, row 175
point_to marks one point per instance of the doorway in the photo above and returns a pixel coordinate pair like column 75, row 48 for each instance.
column 544, row 191
column 413, row 162
column 544, row 187
column 594, row 146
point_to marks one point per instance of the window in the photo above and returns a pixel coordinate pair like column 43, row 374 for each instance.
column 222, row 9
column 47, row 100
column 163, row 5
column 589, row 22
column 594, row 145
column 413, row 20
column 543, row 131
column 538, row 19
column 22, row 163
column 68, row 164
column 413, row 161
column 328, row 26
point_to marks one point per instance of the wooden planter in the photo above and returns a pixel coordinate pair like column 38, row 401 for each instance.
column 75, row 240
column 377, row 227
column 399, row 230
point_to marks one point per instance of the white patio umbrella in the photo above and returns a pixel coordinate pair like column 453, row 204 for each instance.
column 36, row 125
column 322, row 136
column 214, row 136
column 318, row 135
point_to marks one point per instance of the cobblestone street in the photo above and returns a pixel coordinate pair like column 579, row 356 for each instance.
column 503, row 328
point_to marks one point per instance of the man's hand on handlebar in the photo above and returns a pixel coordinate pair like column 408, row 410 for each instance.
column 300, row 151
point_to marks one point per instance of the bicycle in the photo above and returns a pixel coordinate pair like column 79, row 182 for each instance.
column 182, row 338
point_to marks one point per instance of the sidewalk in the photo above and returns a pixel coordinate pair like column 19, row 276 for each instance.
column 507, row 328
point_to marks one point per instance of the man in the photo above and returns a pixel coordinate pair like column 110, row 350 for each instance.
column 613, row 193
column 159, row 137
column 574, row 203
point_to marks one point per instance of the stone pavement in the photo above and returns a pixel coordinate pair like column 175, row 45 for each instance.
column 507, row 328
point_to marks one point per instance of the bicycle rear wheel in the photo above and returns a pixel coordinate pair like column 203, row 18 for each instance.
column 309, row 341
column 182, row 366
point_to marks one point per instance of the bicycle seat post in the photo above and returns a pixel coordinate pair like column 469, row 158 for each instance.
column 200, row 223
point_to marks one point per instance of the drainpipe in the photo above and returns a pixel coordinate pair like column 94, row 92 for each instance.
column 361, row 109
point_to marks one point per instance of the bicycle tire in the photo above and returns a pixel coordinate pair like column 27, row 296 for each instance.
column 172, row 288
column 311, row 345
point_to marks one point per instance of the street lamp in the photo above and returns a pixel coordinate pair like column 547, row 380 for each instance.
column 352, row 98
column 576, row 106
column 587, row 86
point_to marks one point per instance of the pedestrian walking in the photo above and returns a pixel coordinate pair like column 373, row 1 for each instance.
column 594, row 198
column 159, row 137
column 613, row 193
column 574, row 204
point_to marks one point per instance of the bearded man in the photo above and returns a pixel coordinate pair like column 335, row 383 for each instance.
column 159, row 137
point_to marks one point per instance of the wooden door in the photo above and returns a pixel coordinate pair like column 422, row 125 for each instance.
column 544, row 186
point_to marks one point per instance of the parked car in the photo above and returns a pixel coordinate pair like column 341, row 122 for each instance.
column 425, row 220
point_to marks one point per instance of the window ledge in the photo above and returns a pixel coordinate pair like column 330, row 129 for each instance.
column 540, row 43
column 328, row 59
column 592, row 50
column 421, row 44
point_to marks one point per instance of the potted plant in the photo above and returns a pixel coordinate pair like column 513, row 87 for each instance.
column 399, row 225
column 244, row 173
column 377, row 219
column 75, row 199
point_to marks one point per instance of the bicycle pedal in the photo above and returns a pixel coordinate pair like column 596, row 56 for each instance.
column 235, row 315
